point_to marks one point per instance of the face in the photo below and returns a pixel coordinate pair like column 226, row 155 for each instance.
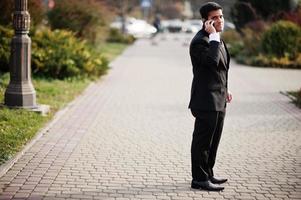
column 217, row 17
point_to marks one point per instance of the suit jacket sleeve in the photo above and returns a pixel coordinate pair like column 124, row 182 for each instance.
column 204, row 54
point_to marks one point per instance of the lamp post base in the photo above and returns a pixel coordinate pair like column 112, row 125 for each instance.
column 20, row 100
column 41, row 109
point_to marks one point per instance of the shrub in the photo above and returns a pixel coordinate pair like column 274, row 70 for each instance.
column 82, row 17
column 282, row 38
column 116, row 36
column 234, row 41
column 236, row 48
column 252, row 41
column 297, row 95
column 230, row 36
column 35, row 7
column 248, row 45
column 257, row 25
column 252, row 37
column 293, row 16
column 5, row 40
column 271, row 61
column 298, row 60
column 59, row 54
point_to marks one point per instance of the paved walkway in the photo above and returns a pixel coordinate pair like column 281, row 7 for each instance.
column 128, row 136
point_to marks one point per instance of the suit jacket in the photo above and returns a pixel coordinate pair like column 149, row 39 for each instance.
column 210, row 73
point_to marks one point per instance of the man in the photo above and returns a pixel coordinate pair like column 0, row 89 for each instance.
column 209, row 95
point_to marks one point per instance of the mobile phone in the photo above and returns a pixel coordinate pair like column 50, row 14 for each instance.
column 211, row 22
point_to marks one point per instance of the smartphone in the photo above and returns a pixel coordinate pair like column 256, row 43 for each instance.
column 210, row 22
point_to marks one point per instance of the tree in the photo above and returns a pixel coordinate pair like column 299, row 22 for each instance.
column 82, row 17
column 196, row 4
column 269, row 7
column 241, row 14
column 36, row 10
column 170, row 9
column 244, row 12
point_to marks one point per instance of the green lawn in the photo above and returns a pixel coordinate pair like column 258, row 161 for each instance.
column 17, row 126
column 111, row 49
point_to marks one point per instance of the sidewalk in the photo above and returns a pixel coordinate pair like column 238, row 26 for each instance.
column 128, row 136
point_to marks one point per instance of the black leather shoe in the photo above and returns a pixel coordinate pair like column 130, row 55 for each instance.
column 217, row 180
column 205, row 185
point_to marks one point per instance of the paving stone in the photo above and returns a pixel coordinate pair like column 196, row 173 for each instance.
column 128, row 135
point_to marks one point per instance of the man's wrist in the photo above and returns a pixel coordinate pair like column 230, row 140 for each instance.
column 214, row 37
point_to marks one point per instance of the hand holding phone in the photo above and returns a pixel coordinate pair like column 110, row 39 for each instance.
column 209, row 26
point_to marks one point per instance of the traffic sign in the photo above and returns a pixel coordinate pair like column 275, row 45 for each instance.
column 146, row 3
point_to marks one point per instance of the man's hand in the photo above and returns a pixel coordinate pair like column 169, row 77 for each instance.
column 229, row 97
column 209, row 28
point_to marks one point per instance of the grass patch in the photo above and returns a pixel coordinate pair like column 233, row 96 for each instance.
column 110, row 50
column 58, row 93
column 18, row 126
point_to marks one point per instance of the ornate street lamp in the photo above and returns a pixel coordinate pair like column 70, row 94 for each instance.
column 20, row 92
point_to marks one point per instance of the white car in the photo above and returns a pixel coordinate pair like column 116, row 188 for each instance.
column 229, row 25
column 192, row 26
column 140, row 29
column 172, row 25
column 136, row 27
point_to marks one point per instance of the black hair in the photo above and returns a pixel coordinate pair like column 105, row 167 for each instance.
column 208, row 7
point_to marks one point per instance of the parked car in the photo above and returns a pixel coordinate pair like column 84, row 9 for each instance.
column 136, row 27
column 192, row 26
column 228, row 25
column 140, row 29
column 173, row 25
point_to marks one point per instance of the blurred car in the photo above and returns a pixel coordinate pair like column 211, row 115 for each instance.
column 172, row 25
column 228, row 25
column 136, row 27
column 192, row 26
column 117, row 23
column 140, row 29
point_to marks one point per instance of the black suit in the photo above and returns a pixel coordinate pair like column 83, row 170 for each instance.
column 210, row 61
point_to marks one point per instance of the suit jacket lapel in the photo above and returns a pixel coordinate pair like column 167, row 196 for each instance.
column 223, row 53
column 228, row 55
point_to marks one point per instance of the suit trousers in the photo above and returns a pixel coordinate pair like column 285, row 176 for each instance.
column 207, row 132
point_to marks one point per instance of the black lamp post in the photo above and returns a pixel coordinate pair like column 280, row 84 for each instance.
column 20, row 92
